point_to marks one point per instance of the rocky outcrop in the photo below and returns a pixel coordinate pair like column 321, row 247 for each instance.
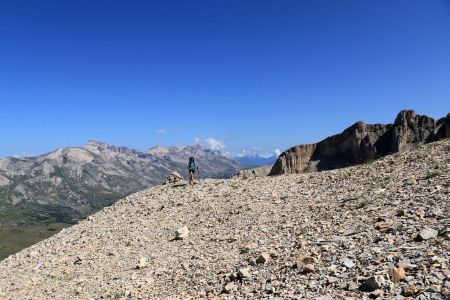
column 444, row 127
column 408, row 131
column 372, row 231
column 295, row 160
column 363, row 142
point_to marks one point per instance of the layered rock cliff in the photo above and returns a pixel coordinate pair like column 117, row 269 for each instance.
column 363, row 142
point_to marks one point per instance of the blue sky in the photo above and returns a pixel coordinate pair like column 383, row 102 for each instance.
column 248, row 75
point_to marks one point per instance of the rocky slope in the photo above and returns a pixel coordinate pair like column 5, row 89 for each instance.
column 373, row 230
column 255, row 172
column 71, row 183
column 363, row 142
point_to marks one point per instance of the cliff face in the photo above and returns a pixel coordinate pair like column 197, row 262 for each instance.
column 363, row 142
column 294, row 160
column 444, row 127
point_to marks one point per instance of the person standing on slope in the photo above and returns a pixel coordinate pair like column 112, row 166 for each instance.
column 192, row 168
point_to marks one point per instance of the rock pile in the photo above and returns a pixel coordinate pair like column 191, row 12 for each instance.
column 378, row 230
column 173, row 178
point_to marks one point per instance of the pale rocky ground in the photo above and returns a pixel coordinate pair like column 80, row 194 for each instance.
column 255, row 172
column 330, row 235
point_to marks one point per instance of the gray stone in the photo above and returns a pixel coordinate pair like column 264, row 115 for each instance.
column 230, row 287
column 182, row 233
column 143, row 262
column 427, row 233
column 373, row 283
column 244, row 273
column 347, row 263
column 263, row 258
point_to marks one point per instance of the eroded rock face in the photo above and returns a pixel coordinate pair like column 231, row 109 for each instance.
column 409, row 131
column 295, row 160
column 444, row 127
column 361, row 143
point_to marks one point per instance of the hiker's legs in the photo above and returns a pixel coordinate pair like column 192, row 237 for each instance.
column 191, row 177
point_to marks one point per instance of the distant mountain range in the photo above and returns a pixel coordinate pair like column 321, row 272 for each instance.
column 255, row 160
column 71, row 183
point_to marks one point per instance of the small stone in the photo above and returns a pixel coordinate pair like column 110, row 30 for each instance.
column 351, row 286
column 332, row 279
column 182, row 233
column 143, row 262
column 303, row 260
column 263, row 258
column 382, row 225
column 445, row 233
column 373, row 283
column 409, row 290
column 308, row 268
column 185, row 266
column 400, row 212
column 230, row 287
column 427, row 233
column 77, row 261
column 313, row 284
column 347, row 263
column 78, row 291
column 247, row 248
column 376, row 294
column 244, row 273
column 397, row 274
column 434, row 288
column 323, row 298
column 348, row 232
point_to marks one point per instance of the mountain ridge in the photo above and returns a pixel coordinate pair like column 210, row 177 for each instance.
column 70, row 183
column 255, row 160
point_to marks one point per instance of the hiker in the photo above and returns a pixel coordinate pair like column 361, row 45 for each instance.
column 192, row 168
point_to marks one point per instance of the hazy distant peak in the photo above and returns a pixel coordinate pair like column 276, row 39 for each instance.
column 79, row 155
column 95, row 144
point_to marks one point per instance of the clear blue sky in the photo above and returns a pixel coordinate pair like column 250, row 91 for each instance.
column 253, row 74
